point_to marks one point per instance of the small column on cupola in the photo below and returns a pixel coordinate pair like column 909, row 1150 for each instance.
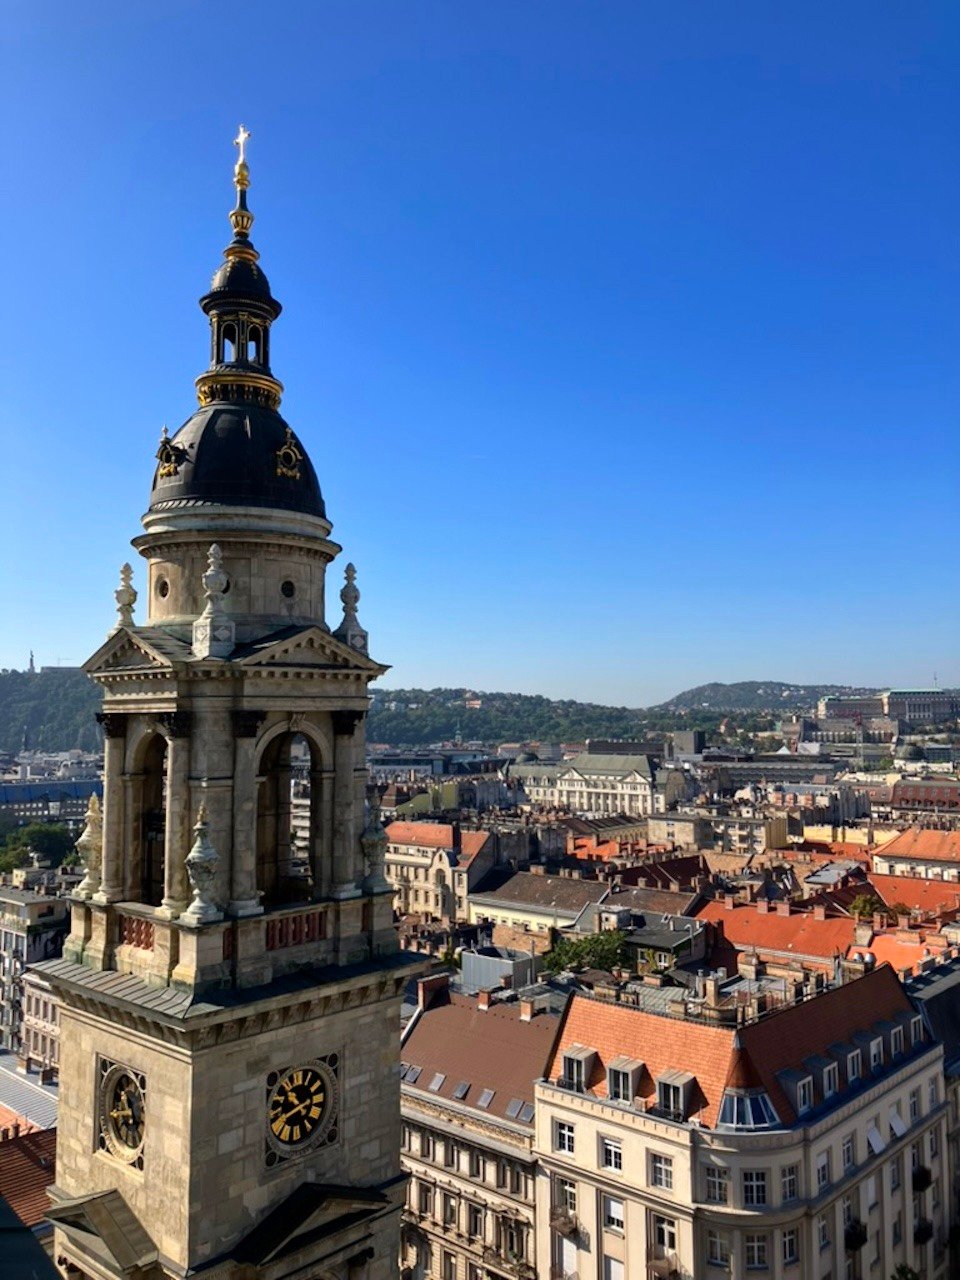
column 350, row 630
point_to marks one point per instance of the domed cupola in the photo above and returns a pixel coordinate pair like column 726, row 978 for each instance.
column 237, row 450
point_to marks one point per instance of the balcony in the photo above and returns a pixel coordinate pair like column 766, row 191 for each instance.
column 571, row 1086
column 922, row 1177
column 854, row 1235
column 563, row 1220
column 922, row 1231
column 662, row 1262
column 558, row 1273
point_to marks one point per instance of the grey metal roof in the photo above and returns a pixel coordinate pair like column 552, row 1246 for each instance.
column 25, row 1095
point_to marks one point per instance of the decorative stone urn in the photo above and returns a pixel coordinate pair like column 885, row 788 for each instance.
column 202, row 862
column 90, row 848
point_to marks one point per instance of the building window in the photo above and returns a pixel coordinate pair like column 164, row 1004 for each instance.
column 804, row 1095
column 661, row 1171
column 896, row 1041
column 565, row 1194
column 563, row 1136
column 476, row 1165
column 895, row 1174
column 754, row 1186
column 449, row 1211
column 474, row 1220
column 755, row 1250
column 612, row 1269
column 664, row 1235
column 876, row 1054
column 823, row 1171
column 670, row 1099
column 914, row 1105
column 846, row 1208
column 933, row 1143
column 427, row 1146
column 831, row 1080
column 449, row 1266
column 425, row 1199
column 933, row 1093
column 790, row 1246
column 449, row 1154
column 618, row 1085
column 823, row 1232
column 854, row 1061
column 847, row 1153
column 916, row 1030
column 612, row 1213
column 718, row 1249
column 788, row 1182
column 611, row 1154
column 573, row 1074
column 718, row 1184
column 406, row 1137
column 898, row 1228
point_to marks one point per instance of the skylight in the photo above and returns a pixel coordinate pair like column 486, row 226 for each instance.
column 413, row 1074
column 461, row 1090
column 436, row 1082
column 485, row 1098
column 513, row 1108
column 526, row 1113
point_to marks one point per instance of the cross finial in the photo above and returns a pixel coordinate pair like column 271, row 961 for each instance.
column 240, row 141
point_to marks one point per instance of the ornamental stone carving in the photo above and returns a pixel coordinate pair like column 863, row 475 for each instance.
column 202, row 862
column 214, row 634
column 90, row 848
column 126, row 597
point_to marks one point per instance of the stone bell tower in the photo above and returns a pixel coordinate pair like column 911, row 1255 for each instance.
column 230, row 997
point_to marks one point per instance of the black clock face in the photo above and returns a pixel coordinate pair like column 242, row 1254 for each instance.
column 125, row 1111
column 297, row 1105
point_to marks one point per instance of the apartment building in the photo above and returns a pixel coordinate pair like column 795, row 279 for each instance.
column 40, row 1032
column 596, row 785
column 808, row 1143
column 921, row 851
column 32, row 927
column 468, row 1070
column 434, row 866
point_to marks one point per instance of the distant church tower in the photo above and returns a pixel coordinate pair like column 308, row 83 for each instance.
column 229, row 1087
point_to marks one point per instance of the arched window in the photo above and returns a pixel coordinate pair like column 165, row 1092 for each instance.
column 253, row 344
column 229, row 343
column 288, row 820
column 152, row 788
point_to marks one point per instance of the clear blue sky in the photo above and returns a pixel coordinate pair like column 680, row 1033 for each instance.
column 623, row 336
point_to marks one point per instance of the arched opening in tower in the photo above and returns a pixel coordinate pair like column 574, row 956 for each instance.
column 151, row 783
column 288, row 820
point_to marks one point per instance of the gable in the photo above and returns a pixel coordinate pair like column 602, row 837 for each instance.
column 125, row 650
column 306, row 647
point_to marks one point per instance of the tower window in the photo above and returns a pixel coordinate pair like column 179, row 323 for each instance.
column 288, row 589
column 163, row 588
column 229, row 342
column 253, row 344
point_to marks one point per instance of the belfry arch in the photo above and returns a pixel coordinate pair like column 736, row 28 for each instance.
column 148, row 821
column 289, row 865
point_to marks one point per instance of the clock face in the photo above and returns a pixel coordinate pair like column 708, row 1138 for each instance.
column 297, row 1105
column 122, row 1112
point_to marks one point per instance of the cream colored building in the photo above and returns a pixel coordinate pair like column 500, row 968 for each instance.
column 810, row 1143
column 434, row 866
column 593, row 785
column 468, row 1068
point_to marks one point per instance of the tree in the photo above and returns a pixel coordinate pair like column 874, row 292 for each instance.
column 898, row 909
column 52, row 841
column 594, row 951
column 865, row 904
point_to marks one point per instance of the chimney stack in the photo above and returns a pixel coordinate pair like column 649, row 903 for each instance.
column 428, row 989
column 484, row 999
column 527, row 1010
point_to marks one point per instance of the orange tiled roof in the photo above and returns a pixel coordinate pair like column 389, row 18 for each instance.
column 9, row 1118
column 799, row 934
column 437, row 835
column 719, row 1056
column 901, row 948
column 924, row 844
column 935, row 897
column 27, row 1168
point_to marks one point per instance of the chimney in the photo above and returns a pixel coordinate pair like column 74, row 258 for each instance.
column 428, row 989
column 484, row 999
column 729, row 902
column 15, row 1129
column 527, row 1010
column 820, row 913
column 763, row 907
column 783, row 908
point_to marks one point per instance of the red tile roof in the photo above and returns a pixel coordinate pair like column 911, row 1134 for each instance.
column 27, row 1168
column 934, row 897
column 748, row 1056
column 438, row 835
column 798, row 934
column 489, row 1050
column 923, row 844
column 9, row 1118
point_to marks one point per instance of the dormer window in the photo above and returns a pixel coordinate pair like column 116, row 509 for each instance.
column 854, row 1066
column 577, row 1067
column 804, row 1095
column 673, row 1091
column 623, row 1079
column 896, row 1041
column 916, row 1030
column 831, row 1080
column 747, row 1109
column 876, row 1054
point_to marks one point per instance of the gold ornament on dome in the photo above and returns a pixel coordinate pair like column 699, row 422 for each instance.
column 289, row 458
column 169, row 455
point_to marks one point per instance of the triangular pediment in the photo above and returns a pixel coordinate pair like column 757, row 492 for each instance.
column 307, row 646
column 313, row 1214
column 126, row 650
column 103, row 1224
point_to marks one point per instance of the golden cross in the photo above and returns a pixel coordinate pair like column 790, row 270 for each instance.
column 241, row 141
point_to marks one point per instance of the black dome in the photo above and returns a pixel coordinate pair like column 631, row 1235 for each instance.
column 239, row 278
column 230, row 455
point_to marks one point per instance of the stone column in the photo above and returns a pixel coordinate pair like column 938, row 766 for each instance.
column 176, row 891
column 344, row 818
column 244, row 898
column 112, row 874
column 319, row 867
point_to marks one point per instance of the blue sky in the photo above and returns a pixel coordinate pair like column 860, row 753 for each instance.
column 623, row 336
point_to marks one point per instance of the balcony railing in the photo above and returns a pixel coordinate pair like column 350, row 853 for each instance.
column 854, row 1235
column 662, row 1262
column 922, row 1177
column 136, row 932
column 294, row 930
column 572, row 1086
column 558, row 1273
column 922, row 1231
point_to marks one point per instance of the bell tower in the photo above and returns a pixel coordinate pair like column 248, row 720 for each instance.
column 230, row 987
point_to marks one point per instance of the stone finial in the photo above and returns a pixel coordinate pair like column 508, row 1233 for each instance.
column 373, row 842
column 350, row 630
column 202, row 862
column 214, row 634
column 126, row 597
column 90, row 848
